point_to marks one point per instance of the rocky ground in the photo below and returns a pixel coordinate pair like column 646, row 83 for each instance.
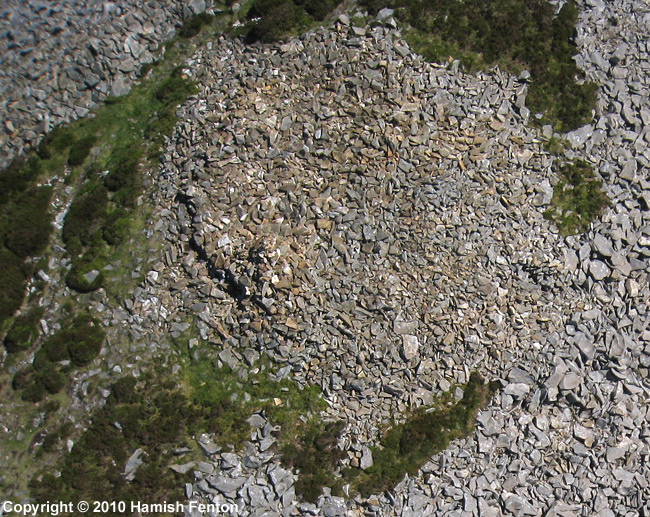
column 374, row 223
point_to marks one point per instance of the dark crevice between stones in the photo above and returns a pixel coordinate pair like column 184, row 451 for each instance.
column 234, row 287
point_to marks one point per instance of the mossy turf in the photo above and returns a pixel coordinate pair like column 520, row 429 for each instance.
column 577, row 198
column 516, row 34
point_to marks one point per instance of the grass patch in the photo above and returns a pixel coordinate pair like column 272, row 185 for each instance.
column 577, row 198
column 238, row 398
column 404, row 448
column 515, row 34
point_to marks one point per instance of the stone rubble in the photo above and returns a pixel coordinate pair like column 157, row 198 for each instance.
column 375, row 224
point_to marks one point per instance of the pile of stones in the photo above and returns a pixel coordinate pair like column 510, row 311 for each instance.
column 375, row 224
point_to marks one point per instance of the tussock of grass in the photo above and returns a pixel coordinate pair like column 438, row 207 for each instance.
column 577, row 198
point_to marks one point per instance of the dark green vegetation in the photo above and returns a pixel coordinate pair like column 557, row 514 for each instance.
column 406, row 447
column 577, row 198
column 159, row 417
column 24, row 229
column 76, row 344
column 24, row 330
column 193, row 25
column 316, row 456
column 516, row 34
column 271, row 20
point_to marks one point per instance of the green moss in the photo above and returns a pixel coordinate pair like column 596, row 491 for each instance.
column 577, row 198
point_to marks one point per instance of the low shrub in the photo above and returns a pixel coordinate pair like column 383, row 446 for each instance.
column 80, row 150
column 29, row 222
column 193, row 25
column 319, row 9
column 86, row 215
column 117, row 227
column 17, row 177
column 124, row 168
column 13, row 282
column 24, row 330
column 55, row 142
column 174, row 90
column 271, row 20
column 314, row 452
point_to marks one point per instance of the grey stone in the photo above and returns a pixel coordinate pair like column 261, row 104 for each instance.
column 183, row 469
column 410, row 346
column 599, row 270
column 603, row 245
column 227, row 485
column 366, row 460
column 91, row 276
column 132, row 464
